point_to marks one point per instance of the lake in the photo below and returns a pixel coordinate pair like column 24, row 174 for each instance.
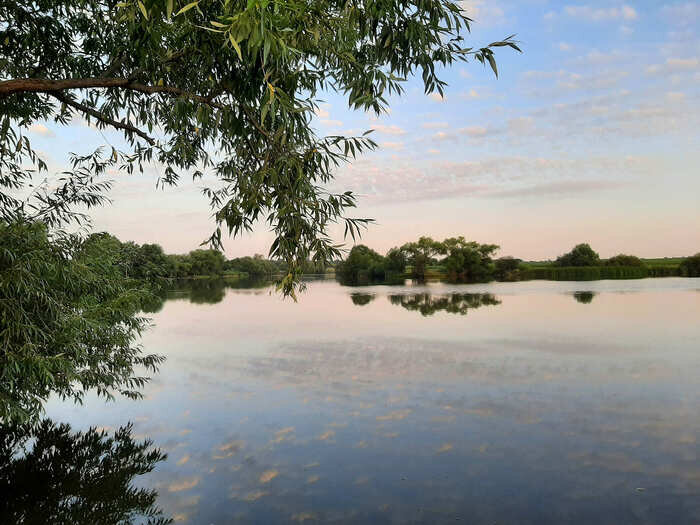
column 531, row 402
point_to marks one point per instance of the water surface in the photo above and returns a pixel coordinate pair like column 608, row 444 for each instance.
column 534, row 402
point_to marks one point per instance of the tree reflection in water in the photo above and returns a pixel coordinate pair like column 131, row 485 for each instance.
column 361, row 299
column 455, row 303
column 584, row 297
column 51, row 475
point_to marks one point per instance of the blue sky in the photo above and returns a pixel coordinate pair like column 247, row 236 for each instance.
column 590, row 135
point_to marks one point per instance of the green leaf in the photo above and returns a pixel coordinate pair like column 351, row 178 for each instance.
column 170, row 9
column 143, row 9
column 492, row 61
column 235, row 46
column 187, row 7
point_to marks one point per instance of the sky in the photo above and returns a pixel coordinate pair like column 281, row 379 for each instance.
column 592, row 134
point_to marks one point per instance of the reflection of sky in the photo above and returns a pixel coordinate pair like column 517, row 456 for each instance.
column 539, row 409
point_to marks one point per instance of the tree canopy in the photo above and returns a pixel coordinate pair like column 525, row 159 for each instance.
column 224, row 88
column 690, row 266
column 580, row 255
column 70, row 321
column 624, row 260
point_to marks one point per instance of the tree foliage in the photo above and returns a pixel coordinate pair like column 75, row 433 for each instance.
column 580, row 255
column 624, row 260
column 463, row 260
column 69, row 321
column 690, row 266
column 223, row 88
column 468, row 261
column 507, row 268
column 362, row 265
column 420, row 254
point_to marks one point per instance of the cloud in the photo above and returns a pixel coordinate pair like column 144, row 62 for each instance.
column 184, row 459
column 435, row 125
column 563, row 46
column 674, row 65
column 437, row 97
column 40, row 129
column 229, row 449
column 332, row 123
column 268, row 476
column 322, row 113
column 286, row 434
column 186, row 484
column 255, row 496
column 393, row 146
column 626, row 30
column 472, row 93
column 328, row 434
column 484, row 12
column 675, row 96
column 562, row 82
column 682, row 13
column 571, row 187
column 438, row 178
column 443, row 135
column 597, row 14
column 396, row 415
column 445, row 448
column 521, row 125
column 598, row 58
column 473, row 131
column 389, row 130
column 301, row 517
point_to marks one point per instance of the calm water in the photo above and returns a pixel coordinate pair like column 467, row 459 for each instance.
column 529, row 403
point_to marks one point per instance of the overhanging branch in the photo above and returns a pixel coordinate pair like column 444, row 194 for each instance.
column 44, row 85
column 101, row 116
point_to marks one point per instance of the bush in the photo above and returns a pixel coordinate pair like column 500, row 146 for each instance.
column 507, row 269
column 624, row 260
column 581, row 255
column 363, row 265
column 690, row 267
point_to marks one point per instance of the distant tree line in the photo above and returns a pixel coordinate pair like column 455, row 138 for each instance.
column 150, row 262
column 460, row 260
column 454, row 258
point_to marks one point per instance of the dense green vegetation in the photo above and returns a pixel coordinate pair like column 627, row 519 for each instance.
column 580, row 255
column 69, row 320
column 457, row 260
column 690, row 267
column 148, row 262
column 461, row 261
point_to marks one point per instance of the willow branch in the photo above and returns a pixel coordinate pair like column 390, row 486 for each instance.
column 102, row 117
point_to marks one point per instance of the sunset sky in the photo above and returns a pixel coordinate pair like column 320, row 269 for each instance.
column 591, row 135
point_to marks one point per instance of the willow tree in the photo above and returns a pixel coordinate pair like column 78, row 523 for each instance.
column 222, row 87
column 226, row 87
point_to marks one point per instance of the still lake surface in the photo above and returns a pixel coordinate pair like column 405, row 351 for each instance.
column 533, row 402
